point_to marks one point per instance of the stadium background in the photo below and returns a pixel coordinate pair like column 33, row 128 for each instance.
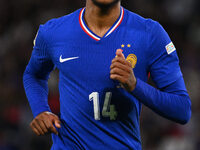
column 19, row 21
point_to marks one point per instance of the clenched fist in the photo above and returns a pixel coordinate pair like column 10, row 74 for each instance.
column 121, row 70
column 44, row 123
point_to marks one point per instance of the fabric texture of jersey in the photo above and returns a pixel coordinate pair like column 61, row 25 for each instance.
column 84, row 67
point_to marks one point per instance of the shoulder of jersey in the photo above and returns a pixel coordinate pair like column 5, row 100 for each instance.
column 140, row 22
column 55, row 23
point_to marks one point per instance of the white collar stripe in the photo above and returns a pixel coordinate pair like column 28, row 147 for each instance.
column 92, row 34
column 85, row 28
column 117, row 24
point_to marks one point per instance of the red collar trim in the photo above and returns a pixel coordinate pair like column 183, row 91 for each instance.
column 92, row 35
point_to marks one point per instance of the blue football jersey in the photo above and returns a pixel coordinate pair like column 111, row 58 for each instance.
column 96, row 113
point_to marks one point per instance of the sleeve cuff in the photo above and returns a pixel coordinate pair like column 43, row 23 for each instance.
column 138, row 91
column 39, row 108
column 137, row 87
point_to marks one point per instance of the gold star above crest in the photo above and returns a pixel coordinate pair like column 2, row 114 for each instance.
column 122, row 45
column 129, row 45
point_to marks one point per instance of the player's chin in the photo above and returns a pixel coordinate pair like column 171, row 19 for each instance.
column 105, row 3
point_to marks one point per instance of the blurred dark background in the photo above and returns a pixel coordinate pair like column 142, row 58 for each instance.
column 19, row 21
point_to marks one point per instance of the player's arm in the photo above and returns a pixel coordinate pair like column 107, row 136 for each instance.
column 172, row 102
column 35, row 80
column 171, row 99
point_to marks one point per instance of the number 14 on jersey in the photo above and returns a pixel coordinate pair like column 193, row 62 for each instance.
column 107, row 111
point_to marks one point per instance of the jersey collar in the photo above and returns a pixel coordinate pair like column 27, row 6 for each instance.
column 93, row 35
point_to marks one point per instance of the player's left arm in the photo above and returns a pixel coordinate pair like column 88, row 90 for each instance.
column 171, row 99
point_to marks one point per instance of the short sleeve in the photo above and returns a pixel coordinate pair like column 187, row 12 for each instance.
column 163, row 61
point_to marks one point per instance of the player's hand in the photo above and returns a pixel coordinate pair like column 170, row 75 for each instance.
column 122, row 71
column 44, row 123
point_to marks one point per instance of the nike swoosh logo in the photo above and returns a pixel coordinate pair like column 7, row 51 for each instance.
column 66, row 59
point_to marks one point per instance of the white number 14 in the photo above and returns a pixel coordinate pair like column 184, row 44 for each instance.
column 106, row 107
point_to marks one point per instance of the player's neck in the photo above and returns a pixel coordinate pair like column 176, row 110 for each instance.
column 100, row 20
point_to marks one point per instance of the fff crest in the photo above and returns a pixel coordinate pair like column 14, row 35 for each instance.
column 132, row 58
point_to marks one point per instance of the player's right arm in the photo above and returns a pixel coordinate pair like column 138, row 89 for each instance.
column 35, row 81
